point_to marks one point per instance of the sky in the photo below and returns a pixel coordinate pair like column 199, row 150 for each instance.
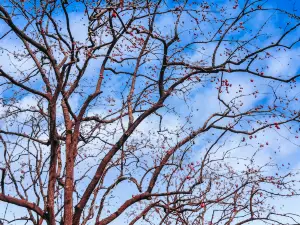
column 283, row 146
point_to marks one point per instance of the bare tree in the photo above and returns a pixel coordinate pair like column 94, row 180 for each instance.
column 102, row 118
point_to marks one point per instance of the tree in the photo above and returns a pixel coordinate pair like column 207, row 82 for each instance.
column 147, row 112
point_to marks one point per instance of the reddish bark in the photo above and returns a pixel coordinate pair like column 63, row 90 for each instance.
column 80, row 139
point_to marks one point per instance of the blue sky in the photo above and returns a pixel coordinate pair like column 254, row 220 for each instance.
column 201, row 101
